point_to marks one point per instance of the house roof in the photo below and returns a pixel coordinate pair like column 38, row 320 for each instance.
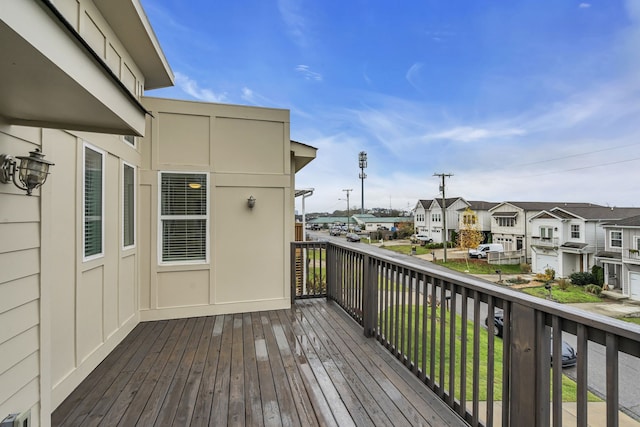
column 448, row 201
column 303, row 154
column 630, row 222
column 480, row 205
column 574, row 245
column 541, row 206
column 505, row 214
column 596, row 212
column 425, row 203
column 610, row 255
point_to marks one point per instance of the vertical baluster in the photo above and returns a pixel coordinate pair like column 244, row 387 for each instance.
column 410, row 308
column 432, row 331
column 612, row 380
column 476, row 358
column 582, row 374
column 443, row 337
column 425, row 292
column 490, row 358
column 506, row 362
column 463, row 352
column 452, row 345
column 556, row 323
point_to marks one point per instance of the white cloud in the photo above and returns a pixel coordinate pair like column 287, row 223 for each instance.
column 192, row 88
column 413, row 75
column 294, row 20
column 469, row 134
column 584, row 5
column 308, row 74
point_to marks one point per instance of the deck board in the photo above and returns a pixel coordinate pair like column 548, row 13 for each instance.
column 307, row 366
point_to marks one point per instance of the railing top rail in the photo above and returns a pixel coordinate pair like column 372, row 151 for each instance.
column 594, row 320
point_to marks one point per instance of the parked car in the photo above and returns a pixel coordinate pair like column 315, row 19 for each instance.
column 569, row 355
column 335, row 231
column 482, row 250
column 352, row 237
column 421, row 238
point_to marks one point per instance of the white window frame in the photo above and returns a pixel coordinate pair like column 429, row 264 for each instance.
column 637, row 244
column 207, row 218
column 135, row 205
column 130, row 143
column 546, row 232
column 86, row 146
column 611, row 239
column 575, row 231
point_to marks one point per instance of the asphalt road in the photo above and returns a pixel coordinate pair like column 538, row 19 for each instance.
column 629, row 367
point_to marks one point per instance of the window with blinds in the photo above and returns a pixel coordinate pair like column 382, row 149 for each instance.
column 183, row 217
column 93, row 202
column 128, row 206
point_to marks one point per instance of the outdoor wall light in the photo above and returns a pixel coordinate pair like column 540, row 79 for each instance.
column 251, row 202
column 32, row 171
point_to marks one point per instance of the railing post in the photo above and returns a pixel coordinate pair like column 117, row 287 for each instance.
column 293, row 272
column 330, row 271
column 524, row 404
column 369, row 297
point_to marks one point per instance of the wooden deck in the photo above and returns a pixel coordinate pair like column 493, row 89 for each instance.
column 310, row 365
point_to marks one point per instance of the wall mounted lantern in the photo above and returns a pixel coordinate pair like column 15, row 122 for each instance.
column 251, row 202
column 32, row 171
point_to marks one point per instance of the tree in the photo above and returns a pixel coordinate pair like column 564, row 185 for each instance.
column 470, row 235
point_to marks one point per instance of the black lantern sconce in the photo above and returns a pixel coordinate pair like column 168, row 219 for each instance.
column 251, row 202
column 31, row 173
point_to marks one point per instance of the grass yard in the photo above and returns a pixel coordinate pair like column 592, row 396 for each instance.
column 476, row 266
column 406, row 249
column 572, row 294
column 635, row 320
column 569, row 388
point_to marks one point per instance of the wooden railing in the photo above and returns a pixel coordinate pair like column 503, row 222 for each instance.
column 433, row 321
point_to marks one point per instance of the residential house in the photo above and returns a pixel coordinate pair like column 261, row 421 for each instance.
column 368, row 222
column 428, row 219
column 510, row 223
column 482, row 217
column 422, row 217
column 566, row 239
column 146, row 213
column 620, row 256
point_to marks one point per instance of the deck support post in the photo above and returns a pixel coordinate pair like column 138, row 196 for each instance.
column 369, row 297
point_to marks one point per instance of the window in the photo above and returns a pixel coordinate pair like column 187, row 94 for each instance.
column 183, row 217
column 128, row 206
column 506, row 222
column 468, row 219
column 546, row 232
column 575, row 231
column 615, row 237
column 130, row 139
column 436, row 217
column 93, row 202
column 637, row 248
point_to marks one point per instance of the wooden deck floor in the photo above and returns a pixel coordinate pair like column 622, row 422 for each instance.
column 310, row 365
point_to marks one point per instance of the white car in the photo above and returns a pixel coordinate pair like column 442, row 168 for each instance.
column 421, row 238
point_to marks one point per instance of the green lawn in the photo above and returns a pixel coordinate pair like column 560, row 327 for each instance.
column 406, row 249
column 569, row 388
column 635, row 320
column 475, row 266
column 572, row 294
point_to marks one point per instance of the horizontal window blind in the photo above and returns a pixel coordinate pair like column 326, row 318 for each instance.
column 183, row 214
column 92, row 202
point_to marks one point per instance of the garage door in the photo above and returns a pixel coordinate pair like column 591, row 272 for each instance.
column 546, row 261
column 634, row 286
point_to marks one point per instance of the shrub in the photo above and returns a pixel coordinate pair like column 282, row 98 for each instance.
column 598, row 274
column 593, row 289
column 525, row 268
column 563, row 284
column 582, row 278
column 550, row 273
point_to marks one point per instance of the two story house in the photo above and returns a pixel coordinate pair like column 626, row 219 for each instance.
column 482, row 216
column 510, row 224
column 567, row 239
column 620, row 256
column 428, row 217
column 149, row 207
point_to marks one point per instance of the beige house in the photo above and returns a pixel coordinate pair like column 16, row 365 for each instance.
column 146, row 212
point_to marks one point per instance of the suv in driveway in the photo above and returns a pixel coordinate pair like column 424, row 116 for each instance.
column 421, row 238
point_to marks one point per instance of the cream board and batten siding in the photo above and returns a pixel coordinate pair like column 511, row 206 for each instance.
column 89, row 23
column 246, row 152
column 92, row 302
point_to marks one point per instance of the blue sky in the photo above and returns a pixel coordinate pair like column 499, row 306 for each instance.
column 522, row 100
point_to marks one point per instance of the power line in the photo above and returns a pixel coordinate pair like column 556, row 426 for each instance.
column 575, row 155
column 583, row 167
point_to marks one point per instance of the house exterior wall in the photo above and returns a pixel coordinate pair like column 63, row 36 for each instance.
column 20, row 272
column 420, row 220
column 246, row 152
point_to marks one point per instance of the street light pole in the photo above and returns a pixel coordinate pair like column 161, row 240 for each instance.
column 348, row 211
column 444, row 213
column 362, row 162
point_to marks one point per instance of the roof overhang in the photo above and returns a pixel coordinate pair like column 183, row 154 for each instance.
column 505, row 214
column 303, row 154
column 129, row 21
column 50, row 77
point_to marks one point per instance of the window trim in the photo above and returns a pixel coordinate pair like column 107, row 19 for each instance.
column 135, row 205
column 611, row 239
column 133, row 143
column 574, row 232
column 207, row 220
column 86, row 146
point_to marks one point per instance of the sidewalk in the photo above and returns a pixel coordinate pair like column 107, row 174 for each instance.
column 596, row 414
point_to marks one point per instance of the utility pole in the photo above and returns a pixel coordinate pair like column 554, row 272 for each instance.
column 348, row 211
column 445, row 237
column 362, row 162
